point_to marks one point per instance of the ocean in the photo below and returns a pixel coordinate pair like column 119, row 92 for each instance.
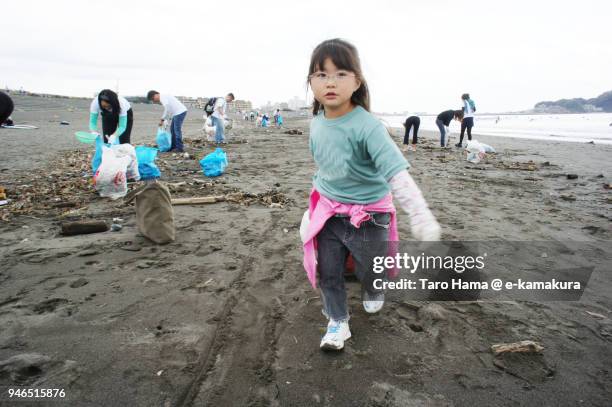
column 584, row 127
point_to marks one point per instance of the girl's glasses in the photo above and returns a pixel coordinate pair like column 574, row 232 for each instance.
column 338, row 77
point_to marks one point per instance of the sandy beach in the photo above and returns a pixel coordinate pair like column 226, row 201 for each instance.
column 225, row 316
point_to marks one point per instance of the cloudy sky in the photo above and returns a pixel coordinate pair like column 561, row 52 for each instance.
column 417, row 56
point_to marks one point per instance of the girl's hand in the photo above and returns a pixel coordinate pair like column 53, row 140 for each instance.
column 425, row 227
column 423, row 223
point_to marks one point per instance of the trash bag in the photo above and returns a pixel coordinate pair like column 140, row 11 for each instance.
column 476, row 151
column 163, row 139
column 97, row 158
column 154, row 214
column 487, row 148
column 214, row 163
column 128, row 150
column 209, row 129
column 145, row 156
column 110, row 179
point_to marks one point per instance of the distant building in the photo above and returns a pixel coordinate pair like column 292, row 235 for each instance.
column 188, row 101
column 240, row 105
column 296, row 103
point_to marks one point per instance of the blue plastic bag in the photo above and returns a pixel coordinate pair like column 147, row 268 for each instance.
column 164, row 140
column 214, row 163
column 146, row 162
column 97, row 158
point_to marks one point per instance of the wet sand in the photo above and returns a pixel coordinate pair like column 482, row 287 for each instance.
column 225, row 315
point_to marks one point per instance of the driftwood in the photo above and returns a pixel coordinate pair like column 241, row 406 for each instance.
column 84, row 227
column 198, row 200
column 522, row 346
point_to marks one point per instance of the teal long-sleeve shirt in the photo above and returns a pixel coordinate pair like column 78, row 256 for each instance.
column 93, row 124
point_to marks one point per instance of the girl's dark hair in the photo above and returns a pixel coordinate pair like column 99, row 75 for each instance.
column 111, row 97
column 465, row 96
column 459, row 114
column 345, row 56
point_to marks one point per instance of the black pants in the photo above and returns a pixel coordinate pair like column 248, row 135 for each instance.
column 6, row 107
column 110, row 123
column 466, row 123
column 412, row 121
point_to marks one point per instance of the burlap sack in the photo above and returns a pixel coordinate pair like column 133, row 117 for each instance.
column 154, row 215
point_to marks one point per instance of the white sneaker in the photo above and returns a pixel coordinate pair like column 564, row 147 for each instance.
column 337, row 333
column 372, row 305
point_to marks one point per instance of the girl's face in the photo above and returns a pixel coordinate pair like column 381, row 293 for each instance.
column 333, row 88
column 105, row 105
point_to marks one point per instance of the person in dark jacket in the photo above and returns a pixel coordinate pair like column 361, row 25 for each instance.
column 443, row 121
column 412, row 125
column 6, row 108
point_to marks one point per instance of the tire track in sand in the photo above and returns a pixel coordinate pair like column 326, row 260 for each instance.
column 236, row 367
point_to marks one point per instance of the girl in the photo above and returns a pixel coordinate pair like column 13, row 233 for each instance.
column 117, row 116
column 443, row 121
column 468, row 118
column 412, row 126
column 351, row 209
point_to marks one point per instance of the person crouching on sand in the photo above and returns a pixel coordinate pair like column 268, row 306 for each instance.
column 173, row 110
column 443, row 121
column 6, row 108
column 117, row 116
column 412, row 127
column 358, row 164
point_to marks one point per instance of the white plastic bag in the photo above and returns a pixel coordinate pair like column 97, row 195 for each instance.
column 110, row 180
column 209, row 129
column 487, row 148
column 476, row 151
column 128, row 150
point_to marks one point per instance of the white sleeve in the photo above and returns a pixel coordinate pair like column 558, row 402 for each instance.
column 422, row 222
column 164, row 103
column 95, row 106
column 221, row 106
column 125, row 106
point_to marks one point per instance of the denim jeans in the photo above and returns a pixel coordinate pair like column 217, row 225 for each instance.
column 440, row 125
column 176, row 129
column 219, row 129
column 335, row 241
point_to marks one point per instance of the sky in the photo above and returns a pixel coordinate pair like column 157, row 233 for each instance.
column 417, row 56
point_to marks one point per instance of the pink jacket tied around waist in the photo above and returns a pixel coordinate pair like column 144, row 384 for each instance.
column 321, row 208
